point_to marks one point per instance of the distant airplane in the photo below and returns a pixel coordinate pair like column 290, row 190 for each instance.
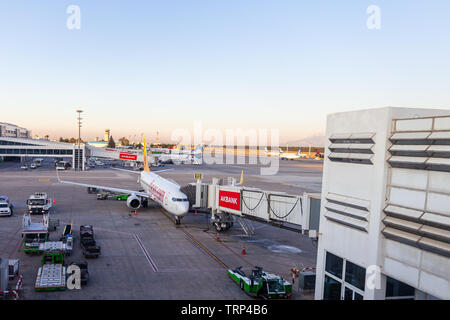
column 273, row 153
column 292, row 156
column 182, row 156
column 163, row 191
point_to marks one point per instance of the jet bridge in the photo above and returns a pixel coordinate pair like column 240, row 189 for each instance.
column 229, row 202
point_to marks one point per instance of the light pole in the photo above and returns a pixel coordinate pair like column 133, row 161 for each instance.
column 79, row 140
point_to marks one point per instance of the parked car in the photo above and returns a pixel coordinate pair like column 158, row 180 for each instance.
column 6, row 207
column 24, row 167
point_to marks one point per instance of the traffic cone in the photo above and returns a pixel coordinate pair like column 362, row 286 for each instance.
column 53, row 201
column 243, row 252
column 135, row 212
column 195, row 213
column 217, row 237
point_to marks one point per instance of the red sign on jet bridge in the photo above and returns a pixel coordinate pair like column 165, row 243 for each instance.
column 230, row 200
column 127, row 156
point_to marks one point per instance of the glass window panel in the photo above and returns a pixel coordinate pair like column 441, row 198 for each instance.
column 334, row 265
column 348, row 294
column 332, row 289
column 355, row 275
column 358, row 296
column 395, row 288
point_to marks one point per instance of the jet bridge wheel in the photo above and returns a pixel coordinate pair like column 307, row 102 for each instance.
column 220, row 228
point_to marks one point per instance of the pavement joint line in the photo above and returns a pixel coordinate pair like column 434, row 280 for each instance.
column 212, row 255
column 141, row 245
column 146, row 254
column 232, row 251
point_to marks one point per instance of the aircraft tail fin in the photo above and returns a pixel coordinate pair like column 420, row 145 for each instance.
column 146, row 168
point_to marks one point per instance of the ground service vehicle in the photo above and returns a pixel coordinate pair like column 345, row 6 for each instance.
column 62, row 165
column 39, row 203
column 24, row 167
column 121, row 197
column 102, row 195
column 83, row 265
column 52, row 274
column 6, row 207
column 262, row 284
column 92, row 190
column 87, row 242
column 34, row 233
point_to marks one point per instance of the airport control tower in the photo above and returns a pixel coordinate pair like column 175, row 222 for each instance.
column 107, row 132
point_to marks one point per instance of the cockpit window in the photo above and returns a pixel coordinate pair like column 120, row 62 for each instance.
column 180, row 199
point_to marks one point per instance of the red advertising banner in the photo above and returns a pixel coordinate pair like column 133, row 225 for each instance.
column 230, row 200
column 128, row 156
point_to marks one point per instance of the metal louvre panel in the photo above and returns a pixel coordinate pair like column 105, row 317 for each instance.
column 402, row 224
column 418, row 208
column 408, row 147
column 437, row 233
column 401, row 236
column 347, row 221
column 436, row 220
column 403, row 212
column 354, row 148
column 348, row 211
column 435, row 246
column 440, row 135
column 349, row 201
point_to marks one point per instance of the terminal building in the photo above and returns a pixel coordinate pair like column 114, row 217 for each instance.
column 385, row 206
column 13, row 131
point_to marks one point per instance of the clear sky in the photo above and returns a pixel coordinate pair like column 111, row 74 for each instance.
column 141, row 66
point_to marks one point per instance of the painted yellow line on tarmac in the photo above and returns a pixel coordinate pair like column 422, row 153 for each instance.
column 43, row 180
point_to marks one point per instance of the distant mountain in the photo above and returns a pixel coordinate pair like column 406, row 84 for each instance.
column 315, row 141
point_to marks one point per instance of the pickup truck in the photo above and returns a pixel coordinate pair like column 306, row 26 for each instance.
column 87, row 242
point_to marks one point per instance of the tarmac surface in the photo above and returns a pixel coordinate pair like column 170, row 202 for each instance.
column 145, row 256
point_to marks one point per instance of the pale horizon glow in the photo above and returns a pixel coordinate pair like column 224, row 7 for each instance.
column 138, row 67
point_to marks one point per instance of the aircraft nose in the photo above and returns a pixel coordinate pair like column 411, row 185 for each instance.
column 184, row 208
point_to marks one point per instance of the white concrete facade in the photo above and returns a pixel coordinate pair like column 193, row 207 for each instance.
column 385, row 203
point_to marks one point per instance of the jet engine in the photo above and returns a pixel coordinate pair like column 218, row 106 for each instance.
column 133, row 202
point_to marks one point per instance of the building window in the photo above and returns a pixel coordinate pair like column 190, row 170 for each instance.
column 398, row 290
column 355, row 275
column 343, row 280
column 332, row 289
column 334, row 265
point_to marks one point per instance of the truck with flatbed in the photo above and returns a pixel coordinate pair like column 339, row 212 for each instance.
column 87, row 242
column 261, row 284
column 38, row 203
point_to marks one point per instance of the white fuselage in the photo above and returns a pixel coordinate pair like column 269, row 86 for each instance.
column 292, row 156
column 165, row 192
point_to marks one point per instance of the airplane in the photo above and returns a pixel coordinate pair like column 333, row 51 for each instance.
column 163, row 191
column 178, row 156
column 293, row 156
column 273, row 153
